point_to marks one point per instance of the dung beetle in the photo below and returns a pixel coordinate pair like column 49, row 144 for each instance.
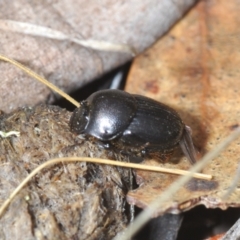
column 133, row 123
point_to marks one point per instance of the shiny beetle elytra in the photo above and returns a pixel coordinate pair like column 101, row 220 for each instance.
column 134, row 124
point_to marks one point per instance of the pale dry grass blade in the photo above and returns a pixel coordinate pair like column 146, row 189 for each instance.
column 166, row 195
column 40, row 31
column 40, row 79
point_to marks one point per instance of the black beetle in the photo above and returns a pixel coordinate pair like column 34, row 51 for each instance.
column 133, row 123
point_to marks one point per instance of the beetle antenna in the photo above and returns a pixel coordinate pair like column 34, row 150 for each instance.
column 186, row 144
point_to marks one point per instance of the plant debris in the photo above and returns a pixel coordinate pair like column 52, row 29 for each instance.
column 64, row 201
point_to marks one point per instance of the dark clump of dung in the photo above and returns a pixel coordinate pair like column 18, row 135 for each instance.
column 63, row 201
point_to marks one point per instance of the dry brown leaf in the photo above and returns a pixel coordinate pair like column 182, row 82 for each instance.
column 137, row 24
column 194, row 70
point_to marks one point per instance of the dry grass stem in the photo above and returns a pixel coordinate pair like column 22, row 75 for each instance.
column 40, row 79
column 99, row 161
column 35, row 30
column 233, row 186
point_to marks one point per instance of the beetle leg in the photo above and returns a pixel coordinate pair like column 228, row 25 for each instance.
column 186, row 144
column 160, row 156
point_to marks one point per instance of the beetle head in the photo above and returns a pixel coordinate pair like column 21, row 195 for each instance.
column 80, row 118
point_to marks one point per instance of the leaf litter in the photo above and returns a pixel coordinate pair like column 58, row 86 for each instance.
column 197, row 78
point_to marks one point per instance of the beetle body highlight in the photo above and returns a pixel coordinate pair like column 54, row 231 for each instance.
column 132, row 123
